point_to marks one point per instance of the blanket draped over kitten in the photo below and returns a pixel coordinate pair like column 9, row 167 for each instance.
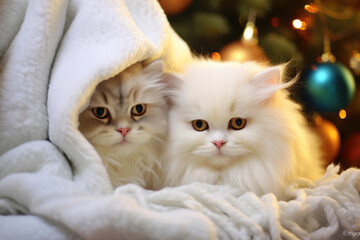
column 234, row 124
column 126, row 122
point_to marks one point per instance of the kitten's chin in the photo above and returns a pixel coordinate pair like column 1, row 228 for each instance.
column 119, row 149
column 218, row 160
column 122, row 143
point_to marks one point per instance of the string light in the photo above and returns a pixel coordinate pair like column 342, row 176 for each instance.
column 298, row 24
column 311, row 8
column 342, row 114
column 249, row 31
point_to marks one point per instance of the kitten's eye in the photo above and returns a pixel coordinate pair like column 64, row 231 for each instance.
column 101, row 112
column 237, row 123
column 200, row 125
column 138, row 110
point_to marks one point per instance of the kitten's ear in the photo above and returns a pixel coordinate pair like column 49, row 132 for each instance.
column 154, row 68
column 173, row 83
column 268, row 77
column 268, row 81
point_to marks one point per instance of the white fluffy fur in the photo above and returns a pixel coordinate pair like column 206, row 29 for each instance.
column 274, row 147
column 134, row 160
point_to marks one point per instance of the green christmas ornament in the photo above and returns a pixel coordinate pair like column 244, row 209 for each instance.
column 329, row 86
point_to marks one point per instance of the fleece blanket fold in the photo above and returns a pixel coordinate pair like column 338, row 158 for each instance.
column 53, row 184
column 328, row 209
column 53, row 55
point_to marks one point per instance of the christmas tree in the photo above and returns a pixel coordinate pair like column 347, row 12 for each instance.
column 316, row 37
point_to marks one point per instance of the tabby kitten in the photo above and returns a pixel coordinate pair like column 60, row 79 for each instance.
column 126, row 122
column 234, row 124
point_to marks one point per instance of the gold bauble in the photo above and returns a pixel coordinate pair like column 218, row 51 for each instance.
column 329, row 139
column 173, row 7
column 242, row 51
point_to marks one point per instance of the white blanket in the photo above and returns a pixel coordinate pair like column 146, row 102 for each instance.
column 52, row 55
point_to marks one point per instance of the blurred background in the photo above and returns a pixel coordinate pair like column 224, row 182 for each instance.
column 319, row 38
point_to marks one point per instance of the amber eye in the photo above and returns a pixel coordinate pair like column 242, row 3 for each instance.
column 138, row 110
column 200, row 125
column 237, row 123
column 101, row 112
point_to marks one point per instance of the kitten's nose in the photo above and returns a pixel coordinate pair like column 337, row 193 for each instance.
column 123, row 131
column 219, row 144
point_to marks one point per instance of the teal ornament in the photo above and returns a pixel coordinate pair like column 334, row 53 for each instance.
column 329, row 86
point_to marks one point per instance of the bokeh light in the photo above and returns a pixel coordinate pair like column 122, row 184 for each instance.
column 342, row 114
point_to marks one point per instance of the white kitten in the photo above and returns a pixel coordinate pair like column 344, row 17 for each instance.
column 126, row 122
column 234, row 124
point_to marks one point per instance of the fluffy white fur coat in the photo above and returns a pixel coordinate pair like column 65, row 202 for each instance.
column 274, row 147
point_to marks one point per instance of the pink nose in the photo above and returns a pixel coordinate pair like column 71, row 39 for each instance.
column 123, row 131
column 218, row 144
